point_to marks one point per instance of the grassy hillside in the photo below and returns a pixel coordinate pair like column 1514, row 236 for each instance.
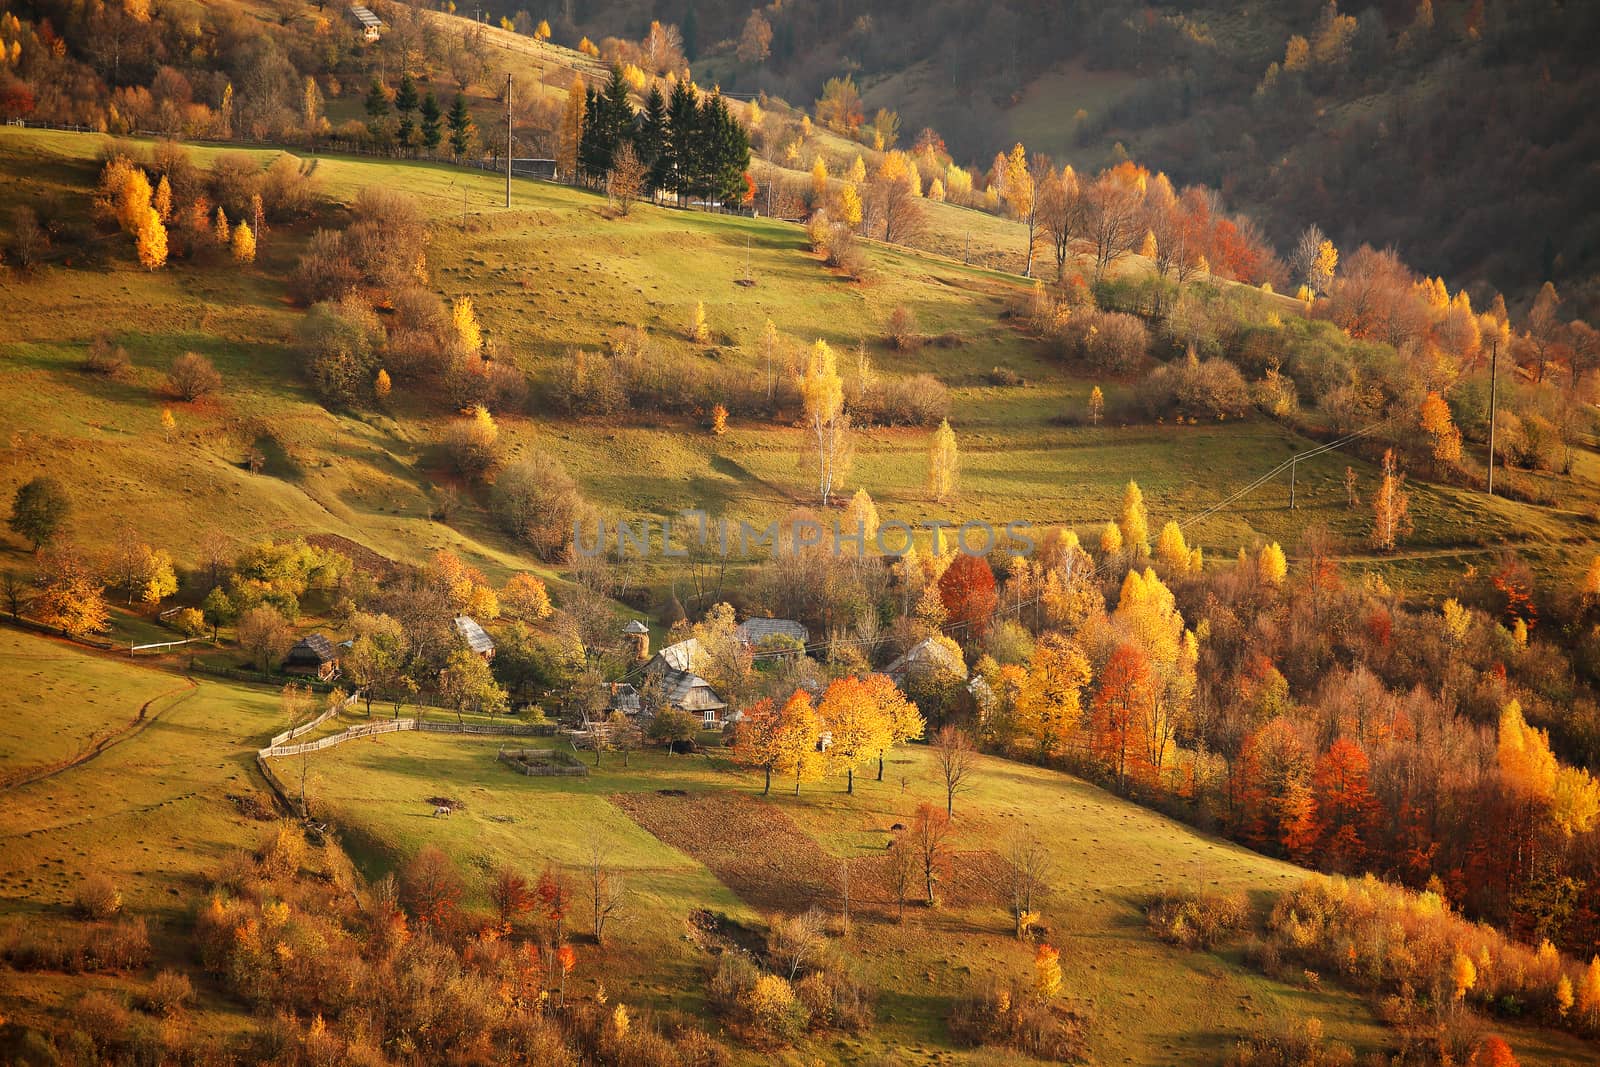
column 556, row 273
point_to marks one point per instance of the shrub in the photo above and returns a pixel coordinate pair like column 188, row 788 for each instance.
column 670, row 726
column 903, row 331
column 1109, row 340
column 1197, row 920
column 287, row 188
column 912, row 400
column 28, row 240
column 1014, row 1017
column 169, row 994
column 1202, row 389
column 772, row 1009
column 537, row 500
column 1299, row 1043
column 388, row 241
column 190, row 622
column 97, row 898
column 1006, row 376
column 282, row 851
column 325, row 270
column 235, row 178
column 120, row 946
column 107, row 358
column 472, row 443
column 339, row 344
column 192, row 376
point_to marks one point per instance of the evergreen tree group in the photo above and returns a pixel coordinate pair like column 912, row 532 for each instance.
column 692, row 147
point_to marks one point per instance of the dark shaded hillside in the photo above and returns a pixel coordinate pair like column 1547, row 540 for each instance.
column 1459, row 134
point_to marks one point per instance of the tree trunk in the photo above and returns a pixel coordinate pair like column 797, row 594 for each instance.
column 880, row 766
column 850, row 780
column 767, row 789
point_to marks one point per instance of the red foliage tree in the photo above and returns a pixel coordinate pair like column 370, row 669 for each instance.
column 1114, row 723
column 1345, row 805
column 430, row 888
column 967, row 591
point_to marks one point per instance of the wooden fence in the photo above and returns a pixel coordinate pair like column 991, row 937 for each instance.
column 541, row 762
column 389, row 726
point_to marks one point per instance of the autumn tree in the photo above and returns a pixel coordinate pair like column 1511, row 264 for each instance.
column 957, row 759
column 1133, row 521
column 151, row 241
column 929, row 838
column 1345, row 806
column 71, row 594
column 570, row 135
column 376, row 660
column 524, row 597
column 1172, row 550
column 1441, row 429
column 1113, row 213
column 431, row 888
column 625, row 181
column 1147, row 616
column 1020, row 191
column 758, row 739
column 943, row 462
column 1272, row 567
column 264, row 635
column 467, row 685
column 512, row 896
column 821, row 390
column 839, row 107
column 1049, row 706
column 1028, row 871
column 1060, row 213
column 967, row 591
column 38, row 510
column 856, row 726
column 243, row 243
column 1391, row 506
column 192, row 376
column 1116, row 734
column 903, row 719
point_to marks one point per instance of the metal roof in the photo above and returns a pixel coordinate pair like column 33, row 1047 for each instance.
column 313, row 648
column 680, row 686
column 926, row 654
column 365, row 16
column 754, row 631
column 636, row 627
column 475, row 636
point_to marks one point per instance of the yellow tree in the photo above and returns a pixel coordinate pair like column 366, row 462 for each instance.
column 151, row 241
column 1046, row 972
column 1049, row 706
column 903, row 719
column 464, row 320
column 525, row 597
column 1589, row 991
column 381, row 384
column 857, row 727
column 1172, row 550
column 821, row 390
column 1134, row 522
column 1147, row 616
column 858, row 170
column 1271, row 565
column 220, row 231
column 244, row 243
column 1436, row 421
column 1022, row 199
column 861, row 514
column 133, row 200
column 571, row 132
column 1097, row 405
column 819, row 180
column 850, row 206
column 795, row 742
column 168, row 424
column 1391, row 506
column 541, row 32
column 163, row 200
column 1110, row 540
column 943, row 462
column 699, row 332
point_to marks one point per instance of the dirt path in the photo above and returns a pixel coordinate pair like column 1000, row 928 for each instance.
column 127, row 731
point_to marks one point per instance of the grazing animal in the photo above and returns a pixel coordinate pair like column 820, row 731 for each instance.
column 441, row 811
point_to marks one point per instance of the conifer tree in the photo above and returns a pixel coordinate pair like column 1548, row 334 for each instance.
column 432, row 133
column 651, row 141
column 377, row 105
column 462, row 130
column 405, row 102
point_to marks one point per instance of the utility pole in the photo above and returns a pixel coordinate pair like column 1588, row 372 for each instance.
column 1494, row 382
column 508, row 138
column 1294, row 464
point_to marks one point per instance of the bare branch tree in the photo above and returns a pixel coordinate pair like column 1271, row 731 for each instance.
column 607, row 891
column 957, row 759
column 1029, row 861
